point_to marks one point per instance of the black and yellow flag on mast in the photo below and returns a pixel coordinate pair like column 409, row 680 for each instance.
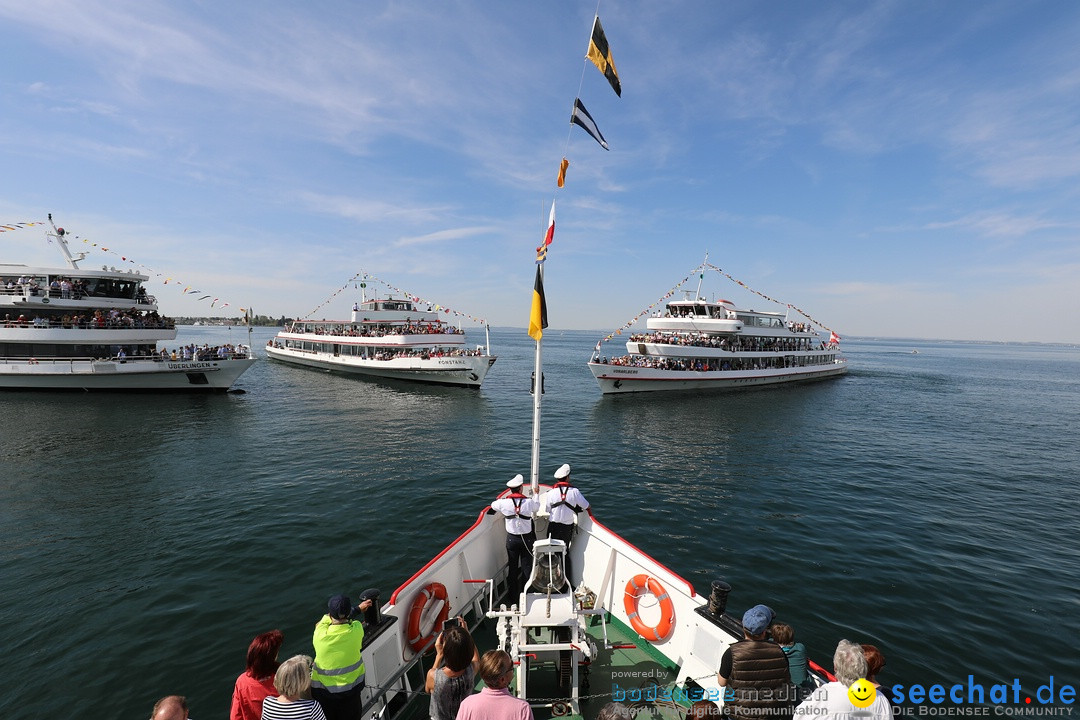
column 538, row 317
column 600, row 54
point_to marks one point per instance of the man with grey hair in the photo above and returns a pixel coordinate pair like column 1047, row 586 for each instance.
column 832, row 700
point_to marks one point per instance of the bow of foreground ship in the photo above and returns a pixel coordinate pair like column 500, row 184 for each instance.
column 633, row 631
column 67, row 328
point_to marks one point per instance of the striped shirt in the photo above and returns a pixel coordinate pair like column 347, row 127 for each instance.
column 275, row 709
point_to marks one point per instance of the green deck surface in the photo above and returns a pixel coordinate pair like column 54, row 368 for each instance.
column 634, row 675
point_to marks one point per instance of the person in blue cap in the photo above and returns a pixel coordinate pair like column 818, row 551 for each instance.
column 337, row 677
column 756, row 671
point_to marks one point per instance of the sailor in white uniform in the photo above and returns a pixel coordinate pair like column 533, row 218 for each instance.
column 518, row 511
column 564, row 502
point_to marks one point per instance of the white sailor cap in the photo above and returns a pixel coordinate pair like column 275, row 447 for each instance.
column 562, row 472
column 515, row 482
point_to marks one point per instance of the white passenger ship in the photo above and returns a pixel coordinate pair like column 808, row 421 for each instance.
column 386, row 338
column 698, row 344
column 74, row 329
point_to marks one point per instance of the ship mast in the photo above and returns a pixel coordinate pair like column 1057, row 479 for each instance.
column 59, row 234
column 701, row 276
column 538, row 392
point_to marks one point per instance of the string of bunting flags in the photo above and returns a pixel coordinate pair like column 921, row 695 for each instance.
column 364, row 277
column 686, row 279
column 188, row 289
column 770, row 299
column 644, row 312
column 18, row 226
column 599, row 54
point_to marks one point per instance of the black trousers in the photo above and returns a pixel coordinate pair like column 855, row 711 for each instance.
column 339, row 706
column 562, row 531
column 519, row 559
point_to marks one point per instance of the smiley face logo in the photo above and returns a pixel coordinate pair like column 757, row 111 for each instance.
column 861, row 693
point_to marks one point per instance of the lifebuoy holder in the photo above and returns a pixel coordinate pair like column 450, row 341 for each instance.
column 417, row 639
column 638, row 586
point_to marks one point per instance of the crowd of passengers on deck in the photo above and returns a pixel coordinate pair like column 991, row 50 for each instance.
column 709, row 364
column 424, row 354
column 350, row 330
column 715, row 314
column 99, row 319
column 721, row 314
column 734, row 344
column 144, row 353
column 187, row 353
column 60, row 287
column 205, row 352
column 391, row 353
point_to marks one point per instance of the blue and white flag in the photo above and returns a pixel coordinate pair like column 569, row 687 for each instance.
column 581, row 117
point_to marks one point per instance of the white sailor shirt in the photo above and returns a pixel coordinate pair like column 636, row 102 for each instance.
column 519, row 519
column 563, row 514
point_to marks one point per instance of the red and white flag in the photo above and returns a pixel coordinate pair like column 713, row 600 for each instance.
column 550, row 235
column 834, row 338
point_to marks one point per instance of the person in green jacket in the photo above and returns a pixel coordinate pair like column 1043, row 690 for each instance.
column 337, row 678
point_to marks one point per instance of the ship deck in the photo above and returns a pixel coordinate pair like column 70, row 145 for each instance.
column 633, row 673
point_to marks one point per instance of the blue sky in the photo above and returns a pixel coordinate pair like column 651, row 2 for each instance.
column 905, row 169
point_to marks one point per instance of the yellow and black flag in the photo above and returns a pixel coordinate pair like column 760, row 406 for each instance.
column 600, row 54
column 538, row 316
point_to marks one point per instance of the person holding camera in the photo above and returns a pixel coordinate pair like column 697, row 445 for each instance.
column 453, row 675
column 337, row 678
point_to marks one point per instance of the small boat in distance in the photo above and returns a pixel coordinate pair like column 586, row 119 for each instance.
column 74, row 329
column 699, row 344
column 386, row 338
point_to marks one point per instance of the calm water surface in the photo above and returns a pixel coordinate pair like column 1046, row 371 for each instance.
column 925, row 502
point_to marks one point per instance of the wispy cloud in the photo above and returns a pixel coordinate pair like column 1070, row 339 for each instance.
column 362, row 210
column 442, row 236
column 999, row 224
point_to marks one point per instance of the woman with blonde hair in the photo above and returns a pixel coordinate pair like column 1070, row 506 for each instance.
column 293, row 682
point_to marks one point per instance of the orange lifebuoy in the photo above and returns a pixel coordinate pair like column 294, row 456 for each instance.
column 638, row 586
column 416, row 639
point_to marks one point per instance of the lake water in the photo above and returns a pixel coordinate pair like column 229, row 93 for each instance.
column 925, row 502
